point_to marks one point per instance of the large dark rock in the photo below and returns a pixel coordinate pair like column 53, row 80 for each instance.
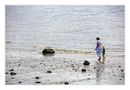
column 48, row 51
column 86, row 63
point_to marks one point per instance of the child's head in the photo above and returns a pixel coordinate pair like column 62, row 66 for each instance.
column 103, row 46
column 97, row 38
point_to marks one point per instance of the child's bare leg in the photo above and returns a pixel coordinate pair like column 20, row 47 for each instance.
column 103, row 58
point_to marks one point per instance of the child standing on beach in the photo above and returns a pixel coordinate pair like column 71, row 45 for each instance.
column 98, row 48
column 103, row 52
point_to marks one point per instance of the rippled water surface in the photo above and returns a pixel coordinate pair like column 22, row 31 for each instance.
column 65, row 27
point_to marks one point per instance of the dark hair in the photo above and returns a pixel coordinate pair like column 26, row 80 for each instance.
column 97, row 38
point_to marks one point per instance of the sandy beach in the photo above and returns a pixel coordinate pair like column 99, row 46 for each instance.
column 71, row 31
column 31, row 68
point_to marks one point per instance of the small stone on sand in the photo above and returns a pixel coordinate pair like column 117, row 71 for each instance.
column 88, row 78
column 114, row 75
column 122, row 70
column 83, row 70
column 11, row 70
column 38, row 82
column 97, row 70
column 94, row 67
column 12, row 73
column 49, row 72
column 37, row 77
column 18, row 65
column 19, row 82
column 66, row 83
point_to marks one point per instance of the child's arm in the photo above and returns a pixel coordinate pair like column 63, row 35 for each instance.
column 96, row 46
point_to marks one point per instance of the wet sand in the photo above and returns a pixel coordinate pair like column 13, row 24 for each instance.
column 30, row 67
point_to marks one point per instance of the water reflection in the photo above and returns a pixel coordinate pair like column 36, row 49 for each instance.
column 100, row 68
column 48, row 55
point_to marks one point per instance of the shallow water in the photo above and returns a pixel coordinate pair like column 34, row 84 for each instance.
column 65, row 27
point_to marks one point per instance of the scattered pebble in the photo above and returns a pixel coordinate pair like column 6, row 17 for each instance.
column 37, row 82
column 88, row 78
column 66, row 83
column 49, row 71
column 119, row 66
column 97, row 70
column 18, row 65
column 11, row 70
column 94, row 67
column 83, row 70
column 72, row 65
column 12, row 73
column 122, row 70
column 114, row 75
column 6, row 73
column 37, row 77
column 19, row 82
